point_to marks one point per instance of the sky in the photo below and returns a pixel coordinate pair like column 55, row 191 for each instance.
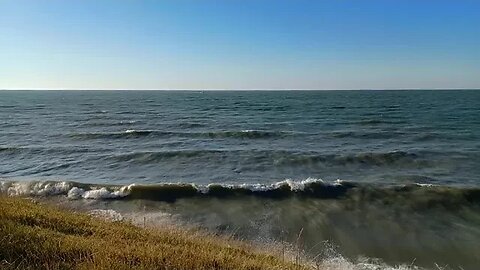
column 239, row 44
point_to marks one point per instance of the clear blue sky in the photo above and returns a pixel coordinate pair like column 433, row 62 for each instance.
column 239, row 44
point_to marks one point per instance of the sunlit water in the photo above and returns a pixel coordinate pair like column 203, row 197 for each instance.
column 408, row 162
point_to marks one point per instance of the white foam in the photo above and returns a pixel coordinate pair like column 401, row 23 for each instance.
column 45, row 189
column 4, row 186
column 75, row 193
column 34, row 188
column 343, row 264
column 300, row 185
column 128, row 122
column 294, row 185
column 107, row 214
column 101, row 193
column 128, row 131
column 98, row 194
column 156, row 219
column 338, row 262
column 424, row 185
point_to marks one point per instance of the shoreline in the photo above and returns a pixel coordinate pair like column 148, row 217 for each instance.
column 38, row 235
column 332, row 228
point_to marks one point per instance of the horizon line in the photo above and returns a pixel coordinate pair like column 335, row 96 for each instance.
column 231, row 89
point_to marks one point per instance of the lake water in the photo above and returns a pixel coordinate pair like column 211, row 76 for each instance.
column 392, row 175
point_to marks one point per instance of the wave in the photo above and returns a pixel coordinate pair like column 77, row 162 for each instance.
column 37, row 150
column 189, row 125
column 248, row 134
column 106, row 123
column 52, row 188
column 374, row 159
column 132, row 133
column 151, row 157
column 116, row 135
column 368, row 122
column 281, row 157
column 367, row 135
column 411, row 195
column 10, row 149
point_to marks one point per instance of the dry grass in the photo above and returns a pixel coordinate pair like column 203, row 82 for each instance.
column 37, row 236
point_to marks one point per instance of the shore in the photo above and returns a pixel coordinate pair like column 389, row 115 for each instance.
column 41, row 236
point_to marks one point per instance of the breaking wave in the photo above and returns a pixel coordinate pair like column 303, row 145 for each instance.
column 414, row 195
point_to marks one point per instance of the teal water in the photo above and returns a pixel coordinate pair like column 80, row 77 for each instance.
column 407, row 163
column 249, row 137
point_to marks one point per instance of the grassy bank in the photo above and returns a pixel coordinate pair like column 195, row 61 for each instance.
column 38, row 236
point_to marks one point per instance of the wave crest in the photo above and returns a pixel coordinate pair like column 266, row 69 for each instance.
column 412, row 195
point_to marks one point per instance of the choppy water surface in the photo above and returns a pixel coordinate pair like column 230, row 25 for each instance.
column 408, row 164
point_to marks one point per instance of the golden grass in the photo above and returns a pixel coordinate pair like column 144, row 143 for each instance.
column 38, row 236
